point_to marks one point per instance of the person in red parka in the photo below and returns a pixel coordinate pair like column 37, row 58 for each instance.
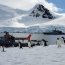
column 29, row 41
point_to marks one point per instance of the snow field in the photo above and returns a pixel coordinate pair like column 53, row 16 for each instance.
column 39, row 55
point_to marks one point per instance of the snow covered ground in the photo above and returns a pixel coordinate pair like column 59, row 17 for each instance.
column 39, row 55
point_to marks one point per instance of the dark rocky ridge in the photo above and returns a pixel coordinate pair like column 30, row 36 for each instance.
column 40, row 10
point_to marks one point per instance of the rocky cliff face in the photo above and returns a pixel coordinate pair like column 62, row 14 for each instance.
column 40, row 10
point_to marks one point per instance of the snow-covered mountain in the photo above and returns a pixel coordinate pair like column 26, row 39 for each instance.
column 59, row 21
column 12, row 29
column 38, row 15
column 40, row 10
column 8, row 12
column 33, row 29
column 17, row 18
column 38, row 19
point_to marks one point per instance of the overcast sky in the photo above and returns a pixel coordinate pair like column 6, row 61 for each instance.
column 28, row 4
column 22, row 4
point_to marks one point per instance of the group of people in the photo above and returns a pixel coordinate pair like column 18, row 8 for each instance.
column 60, row 41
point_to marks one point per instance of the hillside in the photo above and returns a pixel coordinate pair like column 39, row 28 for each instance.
column 37, row 19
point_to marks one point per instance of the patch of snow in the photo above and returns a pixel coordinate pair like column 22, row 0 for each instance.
column 50, row 55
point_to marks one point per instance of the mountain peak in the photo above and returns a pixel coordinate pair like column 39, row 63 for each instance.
column 40, row 10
